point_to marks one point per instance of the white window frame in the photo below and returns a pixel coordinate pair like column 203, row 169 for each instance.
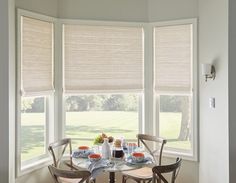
column 62, row 95
column 172, row 152
column 42, row 160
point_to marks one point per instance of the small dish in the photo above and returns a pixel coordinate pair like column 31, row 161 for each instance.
column 94, row 157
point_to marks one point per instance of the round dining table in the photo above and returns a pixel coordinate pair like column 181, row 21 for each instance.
column 117, row 165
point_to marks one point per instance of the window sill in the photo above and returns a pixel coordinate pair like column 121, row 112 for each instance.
column 37, row 164
column 184, row 155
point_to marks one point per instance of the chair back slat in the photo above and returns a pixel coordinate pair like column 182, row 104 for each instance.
column 144, row 137
column 158, row 171
column 57, row 150
column 69, row 174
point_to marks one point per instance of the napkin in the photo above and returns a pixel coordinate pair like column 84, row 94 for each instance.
column 82, row 154
column 96, row 167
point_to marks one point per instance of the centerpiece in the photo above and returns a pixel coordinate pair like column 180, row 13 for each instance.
column 100, row 139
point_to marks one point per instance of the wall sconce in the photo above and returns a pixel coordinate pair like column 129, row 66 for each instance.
column 208, row 71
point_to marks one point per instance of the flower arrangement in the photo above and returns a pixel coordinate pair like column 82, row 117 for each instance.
column 100, row 139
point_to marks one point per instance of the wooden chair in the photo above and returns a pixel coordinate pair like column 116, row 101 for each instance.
column 158, row 171
column 57, row 150
column 145, row 174
column 69, row 176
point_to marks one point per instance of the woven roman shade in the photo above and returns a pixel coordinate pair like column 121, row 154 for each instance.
column 103, row 58
column 36, row 56
column 173, row 59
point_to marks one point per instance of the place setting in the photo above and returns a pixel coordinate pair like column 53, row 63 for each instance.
column 138, row 158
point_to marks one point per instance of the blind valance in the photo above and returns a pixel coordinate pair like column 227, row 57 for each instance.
column 103, row 58
column 36, row 56
column 173, row 58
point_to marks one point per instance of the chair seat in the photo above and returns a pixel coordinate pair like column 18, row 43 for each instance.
column 67, row 180
column 142, row 173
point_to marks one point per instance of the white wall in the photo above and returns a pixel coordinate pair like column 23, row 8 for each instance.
column 159, row 10
column 4, row 91
column 232, row 90
column 7, row 90
column 46, row 7
column 213, row 48
column 114, row 10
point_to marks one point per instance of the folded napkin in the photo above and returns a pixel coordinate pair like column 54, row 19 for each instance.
column 82, row 154
column 96, row 167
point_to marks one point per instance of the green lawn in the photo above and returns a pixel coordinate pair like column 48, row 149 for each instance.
column 90, row 124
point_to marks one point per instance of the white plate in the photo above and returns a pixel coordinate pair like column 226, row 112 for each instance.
column 146, row 160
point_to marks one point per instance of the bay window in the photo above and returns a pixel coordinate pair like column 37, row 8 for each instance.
column 104, row 83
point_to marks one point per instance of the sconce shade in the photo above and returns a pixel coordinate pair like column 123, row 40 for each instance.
column 206, row 69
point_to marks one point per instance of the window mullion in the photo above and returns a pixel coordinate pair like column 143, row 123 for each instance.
column 148, row 80
column 59, row 101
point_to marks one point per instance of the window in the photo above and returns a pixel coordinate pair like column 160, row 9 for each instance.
column 103, row 81
column 174, row 86
column 35, row 91
column 33, row 127
column 113, row 114
column 175, row 121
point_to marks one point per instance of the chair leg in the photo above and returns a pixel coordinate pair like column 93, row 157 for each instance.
column 123, row 179
column 91, row 180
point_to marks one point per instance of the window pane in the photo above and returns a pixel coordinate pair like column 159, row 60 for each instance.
column 87, row 116
column 33, row 121
column 175, row 121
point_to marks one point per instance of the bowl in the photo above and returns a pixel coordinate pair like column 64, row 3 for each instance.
column 83, row 149
column 94, row 157
column 137, row 156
